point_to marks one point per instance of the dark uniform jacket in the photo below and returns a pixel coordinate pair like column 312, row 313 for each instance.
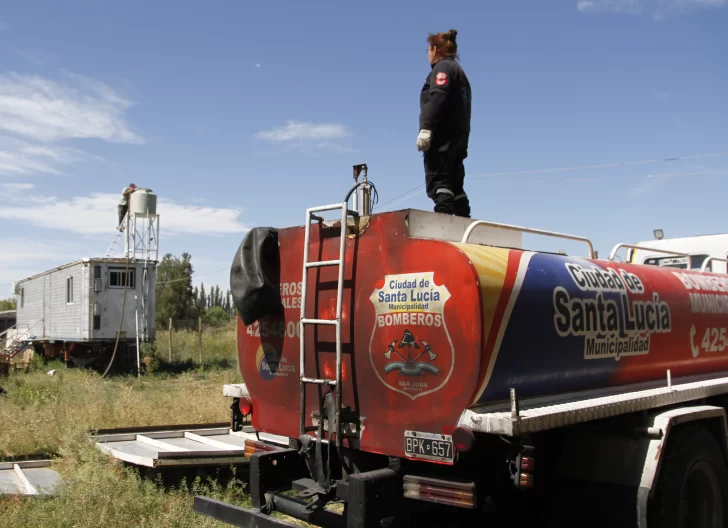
column 445, row 106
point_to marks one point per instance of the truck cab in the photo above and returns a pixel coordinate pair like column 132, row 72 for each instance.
column 700, row 250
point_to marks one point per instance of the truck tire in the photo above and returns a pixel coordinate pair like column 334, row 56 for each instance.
column 692, row 486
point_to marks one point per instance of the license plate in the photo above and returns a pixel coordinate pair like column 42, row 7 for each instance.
column 429, row 446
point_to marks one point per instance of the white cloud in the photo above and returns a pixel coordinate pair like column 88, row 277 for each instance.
column 24, row 257
column 607, row 6
column 18, row 157
column 97, row 214
column 19, row 249
column 20, row 192
column 15, row 187
column 257, row 65
column 333, row 146
column 45, row 110
column 658, row 8
column 297, row 131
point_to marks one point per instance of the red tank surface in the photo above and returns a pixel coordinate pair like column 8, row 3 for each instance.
column 431, row 327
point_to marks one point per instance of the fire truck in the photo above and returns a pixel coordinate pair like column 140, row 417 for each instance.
column 409, row 368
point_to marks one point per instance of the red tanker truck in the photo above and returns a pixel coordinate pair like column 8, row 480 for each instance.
column 418, row 369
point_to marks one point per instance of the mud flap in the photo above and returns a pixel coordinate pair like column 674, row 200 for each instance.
column 315, row 464
column 370, row 497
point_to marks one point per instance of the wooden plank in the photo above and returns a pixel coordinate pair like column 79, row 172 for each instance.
column 213, row 442
column 164, row 446
column 160, row 435
column 25, row 464
column 159, row 428
column 137, row 460
column 24, row 482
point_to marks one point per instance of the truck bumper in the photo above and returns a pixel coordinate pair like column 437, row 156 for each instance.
column 368, row 497
column 235, row 515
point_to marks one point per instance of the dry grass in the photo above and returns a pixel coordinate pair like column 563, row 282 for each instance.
column 218, row 346
column 96, row 491
column 39, row 411
column 51, row 415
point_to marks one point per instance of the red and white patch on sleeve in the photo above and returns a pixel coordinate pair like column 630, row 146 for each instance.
column 441, row 79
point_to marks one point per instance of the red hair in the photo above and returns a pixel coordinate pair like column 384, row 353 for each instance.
column 444, row 43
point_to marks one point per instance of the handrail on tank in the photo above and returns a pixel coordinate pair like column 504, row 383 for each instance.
column 530, row 230
column 705, row 262
column 645, row 248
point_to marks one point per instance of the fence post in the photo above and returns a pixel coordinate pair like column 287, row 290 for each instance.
column 170, row 341
column 199, row 324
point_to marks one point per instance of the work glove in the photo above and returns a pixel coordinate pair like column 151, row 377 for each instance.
column 423, row 140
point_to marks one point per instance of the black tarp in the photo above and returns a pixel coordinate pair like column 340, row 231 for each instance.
column 255, row 275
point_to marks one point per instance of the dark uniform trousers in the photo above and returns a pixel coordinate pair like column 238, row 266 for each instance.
column 122, row 212
column 445, row 178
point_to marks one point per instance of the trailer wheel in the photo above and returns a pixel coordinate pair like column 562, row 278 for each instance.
column 692, row 487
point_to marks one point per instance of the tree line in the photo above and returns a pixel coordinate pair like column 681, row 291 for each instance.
column 7, row 304
column 179, row 301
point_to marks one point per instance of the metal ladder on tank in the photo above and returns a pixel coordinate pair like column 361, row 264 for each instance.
column 304, row 321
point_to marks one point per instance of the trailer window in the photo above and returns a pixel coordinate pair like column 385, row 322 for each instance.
column 97, row 322
column 69, row 290
column 679, row 262
column 22, row 297
column 119, row 277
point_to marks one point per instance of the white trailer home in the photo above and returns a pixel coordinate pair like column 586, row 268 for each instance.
column 75, row 310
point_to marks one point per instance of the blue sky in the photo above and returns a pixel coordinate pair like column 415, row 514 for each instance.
column 241, row 114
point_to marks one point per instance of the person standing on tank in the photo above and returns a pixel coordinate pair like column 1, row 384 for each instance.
column 445, row 102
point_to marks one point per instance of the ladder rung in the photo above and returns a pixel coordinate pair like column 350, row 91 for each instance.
column 322, row 263
column 318, row 381
column 332, row 322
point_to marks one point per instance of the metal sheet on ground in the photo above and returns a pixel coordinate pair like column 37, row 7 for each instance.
column 176, row 446
column 31, row 477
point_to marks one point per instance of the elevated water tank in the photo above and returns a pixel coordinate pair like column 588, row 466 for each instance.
column 143, row 202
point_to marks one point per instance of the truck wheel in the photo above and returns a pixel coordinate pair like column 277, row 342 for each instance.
column 692, row 487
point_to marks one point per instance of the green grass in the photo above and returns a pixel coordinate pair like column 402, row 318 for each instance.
column 38, row 411
column 96, row 491
column 218, row 347
column 42, row 415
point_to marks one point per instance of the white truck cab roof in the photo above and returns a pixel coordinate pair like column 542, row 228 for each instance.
column 700, row 248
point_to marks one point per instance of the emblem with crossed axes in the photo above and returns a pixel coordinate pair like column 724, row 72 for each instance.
column 409, row 366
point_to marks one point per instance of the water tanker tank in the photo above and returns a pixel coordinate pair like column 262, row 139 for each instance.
column 143, row 203
column 432, row 327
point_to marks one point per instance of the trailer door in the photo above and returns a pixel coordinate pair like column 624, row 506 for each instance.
column 110, row 300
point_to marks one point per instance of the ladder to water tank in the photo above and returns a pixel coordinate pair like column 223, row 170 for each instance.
column 334, row 384
column 112, row 246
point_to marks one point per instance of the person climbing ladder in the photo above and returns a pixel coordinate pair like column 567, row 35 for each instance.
column 124, row 204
